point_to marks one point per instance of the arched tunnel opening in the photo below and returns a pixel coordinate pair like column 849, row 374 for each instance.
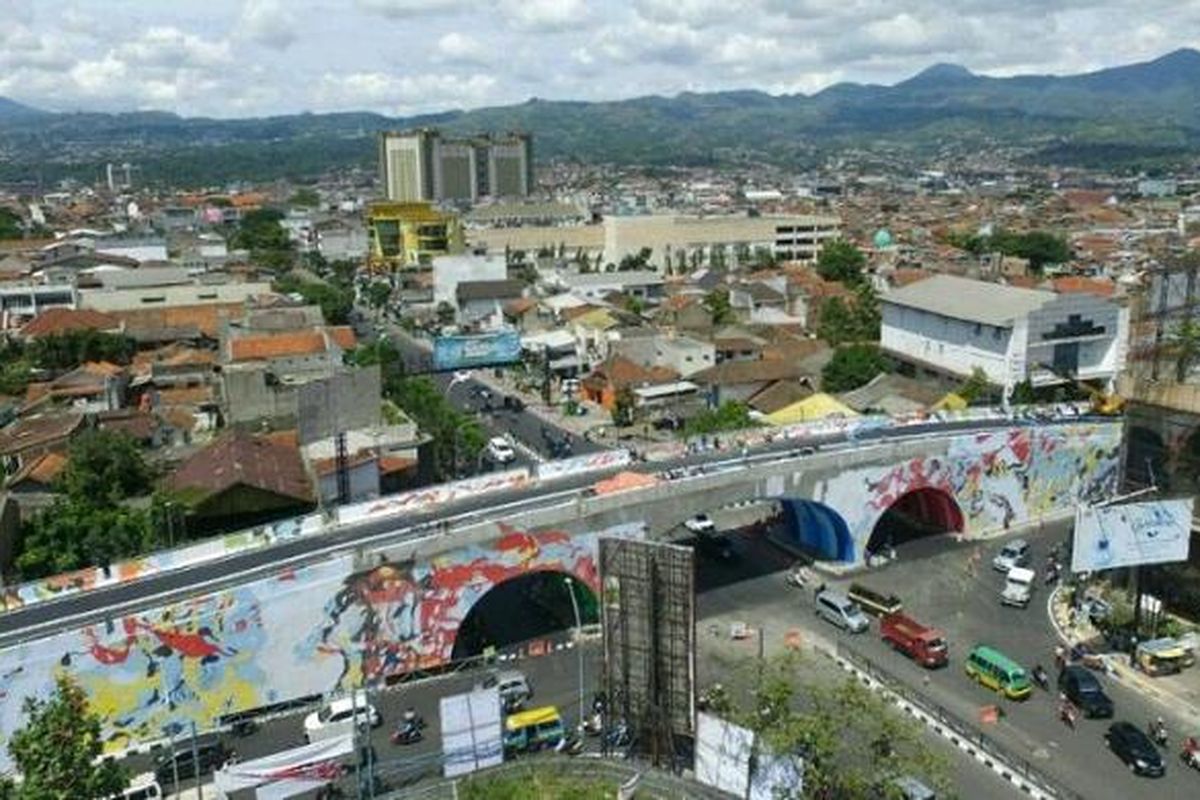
column 522, row 608
column 915, row 515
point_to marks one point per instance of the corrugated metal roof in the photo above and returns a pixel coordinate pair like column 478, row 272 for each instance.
column 973, row 301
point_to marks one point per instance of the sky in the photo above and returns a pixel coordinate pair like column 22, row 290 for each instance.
column 239, row 58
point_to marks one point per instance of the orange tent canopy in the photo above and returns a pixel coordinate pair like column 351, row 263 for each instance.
column 623, row 482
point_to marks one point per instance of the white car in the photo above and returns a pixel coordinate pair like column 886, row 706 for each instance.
column 500, row 451
column 701, row 523
column 337, row 717
column 1014, row 554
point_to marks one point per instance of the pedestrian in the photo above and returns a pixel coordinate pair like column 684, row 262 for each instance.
column 1060, row 657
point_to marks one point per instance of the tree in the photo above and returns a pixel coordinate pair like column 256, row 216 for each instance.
column 853, row 742
column 68, row 350
column 623, row 407
column 1023, row 394
column 975, row 388
column 261, row 233
column 841, row 261
column 852, row 366
column 105, row 467
column 635, row 261
column 305, row 198
column 717, row 303
column 10, row 224
column 58, row 751
column 855, row 320
column 457, row 437
column 377, row 294
column 446, row 313
column 729, row 416
column 335, row 302
column 1186, row 341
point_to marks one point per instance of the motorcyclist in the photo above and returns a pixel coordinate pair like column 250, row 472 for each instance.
column 1040, row 677
column 1158, row 730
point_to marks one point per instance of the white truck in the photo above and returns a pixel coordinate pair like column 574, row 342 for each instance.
column 1018, row 587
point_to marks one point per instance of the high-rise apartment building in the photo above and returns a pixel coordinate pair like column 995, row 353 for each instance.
column 423, row 165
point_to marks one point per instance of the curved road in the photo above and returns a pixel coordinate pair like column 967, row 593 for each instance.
column 51, row 616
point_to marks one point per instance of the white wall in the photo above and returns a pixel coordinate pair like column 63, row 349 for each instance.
column 949, row 344
column 449, row 271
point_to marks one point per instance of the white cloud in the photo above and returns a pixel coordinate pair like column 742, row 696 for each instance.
column 460, row 48
column 268, row 23
column 545, row 15
column 168, row 47
column 406, row 8
column 401, row 94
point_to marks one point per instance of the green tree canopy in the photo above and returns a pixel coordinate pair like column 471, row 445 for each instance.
column 717, row 303
column 975, row 389
column 58, row 751
column 1038, row 247
column 377, row 294
column 305, row 198
column 261, row 233
column 852, row 366
column 729, row 416
column 70, row 349
column 855, row 320
column 456, row 436
column 336, row 303
column 841, row 261
column 104, row 468
column 623, row 407
column 10, row 224
column 71, row 534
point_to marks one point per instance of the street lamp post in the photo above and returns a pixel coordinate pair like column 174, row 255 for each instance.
column 578, row 641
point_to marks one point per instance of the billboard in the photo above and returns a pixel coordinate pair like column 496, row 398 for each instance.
column 648, row 618
column 723, row 752
column 1137, row 533
column 483, row 350
column 471, row 731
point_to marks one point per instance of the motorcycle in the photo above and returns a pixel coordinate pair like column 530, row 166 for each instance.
column 413, row 717
column 618, row 736
column 1041, row 678
column 1157, row 731
column 593, row 724
column 1190, row 755
column 570, row 744
column 799, row 576
column 407, row 733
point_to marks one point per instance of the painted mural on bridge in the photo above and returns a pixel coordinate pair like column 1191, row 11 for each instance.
column 999, row 479
column 303, row 632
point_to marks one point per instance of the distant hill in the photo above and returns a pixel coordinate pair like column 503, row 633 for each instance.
column 11, row 108
column 1134, row 116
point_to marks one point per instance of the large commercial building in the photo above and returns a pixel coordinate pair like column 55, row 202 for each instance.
column 676, row 242
column 423, row 165
column 948, row 327
column 409, row 235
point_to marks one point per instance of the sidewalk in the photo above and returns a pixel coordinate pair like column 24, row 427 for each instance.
column 1178, row 694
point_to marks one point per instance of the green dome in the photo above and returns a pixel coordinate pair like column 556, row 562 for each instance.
column 883, row 239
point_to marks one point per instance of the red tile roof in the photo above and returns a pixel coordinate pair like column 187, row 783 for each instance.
column 60, row 320
column 622, row 372
column 238, row 458
column 1076, row 285
column 42, row 470
column 277, row 345
column 343, row 336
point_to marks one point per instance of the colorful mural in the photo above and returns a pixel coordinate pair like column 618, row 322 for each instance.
column 304, row 632
column 999, row 479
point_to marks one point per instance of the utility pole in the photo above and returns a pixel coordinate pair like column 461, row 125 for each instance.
column 196, row 763
column 578, row 641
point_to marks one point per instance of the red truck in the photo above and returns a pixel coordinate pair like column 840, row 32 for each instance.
column 926, row 646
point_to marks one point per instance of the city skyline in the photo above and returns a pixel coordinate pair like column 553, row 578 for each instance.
column 242, row 58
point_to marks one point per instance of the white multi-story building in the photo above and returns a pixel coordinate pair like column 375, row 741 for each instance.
column 948, row 327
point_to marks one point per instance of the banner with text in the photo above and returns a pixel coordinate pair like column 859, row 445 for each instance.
column 1137, row 533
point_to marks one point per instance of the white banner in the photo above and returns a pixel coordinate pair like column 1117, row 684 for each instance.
column 301, row 768
column 471, row 731
column 1137, row 533
column 591, row 462
column 723, row 754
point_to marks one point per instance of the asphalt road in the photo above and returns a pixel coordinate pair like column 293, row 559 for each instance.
column 932, row 579
column 83, row 608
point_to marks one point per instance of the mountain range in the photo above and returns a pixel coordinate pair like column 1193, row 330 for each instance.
column 1129, row 116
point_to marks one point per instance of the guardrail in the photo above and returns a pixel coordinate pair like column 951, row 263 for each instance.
column 651, row 781
column 971, row 738
column 60, row 586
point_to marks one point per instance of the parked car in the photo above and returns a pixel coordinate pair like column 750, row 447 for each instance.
column 500, row 451
column 514, row 403
column 701, row 523
column 183, row 760
column 1014, row 554
column 716, row 545
column 1134, row 748
column 1084, row 690
column 337, row 717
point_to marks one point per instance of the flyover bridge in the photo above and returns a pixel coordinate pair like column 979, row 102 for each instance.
column 384, row 589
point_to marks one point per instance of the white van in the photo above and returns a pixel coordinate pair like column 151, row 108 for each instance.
column 840, row 610
column 1018, row 587
column 141, row 787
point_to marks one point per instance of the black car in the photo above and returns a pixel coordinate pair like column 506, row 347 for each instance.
column 1135, row 748
column 210, row 754
column 514, row 403
column 1081, row 688
column 716, row 545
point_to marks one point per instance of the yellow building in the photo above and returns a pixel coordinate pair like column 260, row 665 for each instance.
column 406, row 236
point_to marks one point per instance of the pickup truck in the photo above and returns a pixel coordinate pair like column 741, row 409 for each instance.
column 926, row 646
